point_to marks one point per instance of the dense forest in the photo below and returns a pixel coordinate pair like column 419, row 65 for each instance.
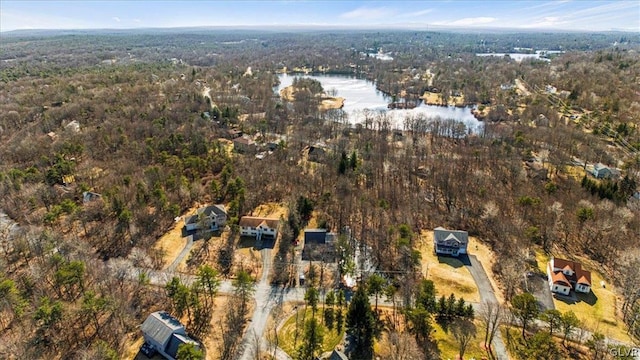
column 142, row 118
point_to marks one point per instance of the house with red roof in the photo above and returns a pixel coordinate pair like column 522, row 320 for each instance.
column 566, row 275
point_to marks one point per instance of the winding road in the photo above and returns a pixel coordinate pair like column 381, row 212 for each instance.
column 267, row 297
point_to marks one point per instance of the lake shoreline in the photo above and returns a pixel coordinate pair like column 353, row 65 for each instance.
column 424, row 100
column 363, row 101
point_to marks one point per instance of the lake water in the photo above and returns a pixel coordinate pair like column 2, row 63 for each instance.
column 362, row 99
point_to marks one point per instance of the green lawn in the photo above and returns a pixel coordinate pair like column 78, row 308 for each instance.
column 448, row 274
column 287, row 334
column 596, row 310
column 448, row 346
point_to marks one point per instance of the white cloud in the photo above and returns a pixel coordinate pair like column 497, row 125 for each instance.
column 600, row 17
column 417, row 13
column 137, row 21
column 474, row 21
column 116, row 19
column 367, row 13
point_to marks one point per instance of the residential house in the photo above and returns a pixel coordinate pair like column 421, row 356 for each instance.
column 244, row 145
column 565, row 275
column 259, row 227
column 272, row 146
column 450, row 242
column 234, row 133
column 319, row 245
column 73, row 126
column 314, row 153
column 601, row 171
column 541, row 120
column 211, row 217
column 165, row 334
column 88, row 196
column 505, row 87
column 337, row 355
column 318, row 236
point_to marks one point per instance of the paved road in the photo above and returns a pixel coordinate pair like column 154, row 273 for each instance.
column 487, row 295
column 183, row 253
column 266, row 298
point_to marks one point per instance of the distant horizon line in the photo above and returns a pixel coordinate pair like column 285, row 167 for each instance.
column 302, row 27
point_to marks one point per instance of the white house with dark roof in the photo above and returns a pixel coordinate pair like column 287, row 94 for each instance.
column 165, row 334
column 211, row 217
column 259, row 227
column 450, row 242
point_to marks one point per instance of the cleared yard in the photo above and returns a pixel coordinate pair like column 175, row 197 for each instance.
column 597, row 310
column 172, row 241
column 448, row 274
column 288, row 340
column 448, row 346
column 272, row 209
column 436, row 99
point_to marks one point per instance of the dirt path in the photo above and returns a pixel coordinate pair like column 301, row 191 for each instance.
column 206, row 94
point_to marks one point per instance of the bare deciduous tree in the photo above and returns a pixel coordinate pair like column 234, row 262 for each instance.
column 490, row 315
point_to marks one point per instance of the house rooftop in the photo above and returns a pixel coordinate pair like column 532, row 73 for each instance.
column 338, row 355
column 217, row 209
column 581, row 275
column 256, row 221
column 559, row 277
column 441, row 234
column 243, row 140
column 160, row 326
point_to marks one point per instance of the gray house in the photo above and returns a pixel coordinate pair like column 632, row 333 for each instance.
column 450, row 242
column 165, row 334
column 211, row 217
column 338, row 355
column 601, row 171
column 314, row 153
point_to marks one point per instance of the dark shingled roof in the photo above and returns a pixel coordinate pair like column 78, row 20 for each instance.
column 441, row 234
column 216, row 209
column 338, row 355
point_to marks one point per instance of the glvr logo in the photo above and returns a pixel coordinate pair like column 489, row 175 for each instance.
column 624, row 352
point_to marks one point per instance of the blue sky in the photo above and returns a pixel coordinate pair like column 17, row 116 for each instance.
column 546, row 15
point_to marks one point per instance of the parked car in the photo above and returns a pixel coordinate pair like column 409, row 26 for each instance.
column 148, row 350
